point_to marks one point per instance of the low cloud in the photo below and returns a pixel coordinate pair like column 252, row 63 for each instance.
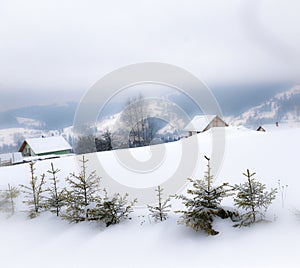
column 69, row 45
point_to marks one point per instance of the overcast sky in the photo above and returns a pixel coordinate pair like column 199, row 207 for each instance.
column 65, row 46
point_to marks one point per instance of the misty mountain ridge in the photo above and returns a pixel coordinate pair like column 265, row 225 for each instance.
column 284, row 107
column 46, row 117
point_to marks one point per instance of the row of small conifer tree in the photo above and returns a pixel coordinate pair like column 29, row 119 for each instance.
column 203, row 202
column 79, row 202
column 82, row 200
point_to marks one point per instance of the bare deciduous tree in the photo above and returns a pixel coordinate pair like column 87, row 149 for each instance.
column 135, row 115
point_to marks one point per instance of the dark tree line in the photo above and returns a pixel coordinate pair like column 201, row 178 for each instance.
column 91, row 143
column 104, row 143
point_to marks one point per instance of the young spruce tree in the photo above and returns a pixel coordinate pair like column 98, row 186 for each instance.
column 7, row 198
column 83, row 193
column 161, row 210
column 253, row 197
column 56, row 199
column 35, row 198
column 112, row 210
column 204, row 205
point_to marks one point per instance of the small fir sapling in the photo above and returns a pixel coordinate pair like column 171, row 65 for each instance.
column 7, row 197
column 204, row 204
column 283, row 191
column 252, row 197
column 34, row 193
column 112, row 210
column 56, row 199
column 83, row 192
column 161, row 210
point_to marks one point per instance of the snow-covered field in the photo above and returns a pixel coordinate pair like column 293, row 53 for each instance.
column 51, row 242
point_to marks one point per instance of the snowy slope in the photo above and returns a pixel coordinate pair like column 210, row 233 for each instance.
column 50, row 242
column 283, row 107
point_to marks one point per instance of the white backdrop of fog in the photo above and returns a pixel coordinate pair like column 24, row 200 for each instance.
column 54, row 51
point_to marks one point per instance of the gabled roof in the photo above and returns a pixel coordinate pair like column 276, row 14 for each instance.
column 46, row 145
column 260, row 128
column 199, row 123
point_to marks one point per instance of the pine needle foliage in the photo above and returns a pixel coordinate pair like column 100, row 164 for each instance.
column 7, row 199
column 34, row 193
column 84, row 191
column 161, row 210
column 57, row 197
column 252, row 197
column 205, row 203
column 112, row 210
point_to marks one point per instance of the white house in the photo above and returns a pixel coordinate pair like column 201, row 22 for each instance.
column 201, row 123
column 45, row 146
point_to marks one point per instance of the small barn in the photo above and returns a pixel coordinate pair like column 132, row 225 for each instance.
column 9, row 159
column 201, row 123
column 271, row 127
column 45, row 146
column 261, row 128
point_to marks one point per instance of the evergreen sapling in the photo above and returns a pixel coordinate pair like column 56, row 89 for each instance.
column 253, row 197
column 161, row 210
column 283, row 192
column 7, row 198
column 83, row 193
column 34, row 193
column 204, row 204
column 57, row 197
column 112, row 210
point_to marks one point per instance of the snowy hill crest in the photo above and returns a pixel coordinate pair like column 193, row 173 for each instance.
column 283, row 107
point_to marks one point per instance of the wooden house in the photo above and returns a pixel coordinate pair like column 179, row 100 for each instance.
column 45, row 146
column 201, row 123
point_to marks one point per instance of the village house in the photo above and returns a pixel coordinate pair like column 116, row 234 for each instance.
column 45, row 146
column 201, row 123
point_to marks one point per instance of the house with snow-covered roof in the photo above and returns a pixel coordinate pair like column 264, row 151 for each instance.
column 201, row 123
column 56, row 145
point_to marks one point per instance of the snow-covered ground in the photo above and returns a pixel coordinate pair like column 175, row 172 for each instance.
column 51, row 242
